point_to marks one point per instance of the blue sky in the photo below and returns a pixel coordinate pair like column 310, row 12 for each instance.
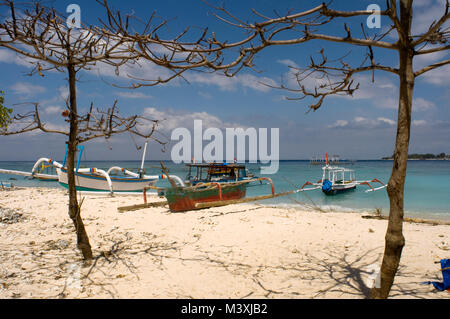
column 362, row 127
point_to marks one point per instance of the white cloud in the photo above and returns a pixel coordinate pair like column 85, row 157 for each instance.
column 53, row 109
column 134, row 95
column 171, row 119
column 383, row 93
column 256, row 83
column 420, row 104
column 136, row 72
column 423, row 18
column 387, row 121
column 27, row 89
column 311, row 83
column 360, row 122
column 64, row 92
column 57, row 102
column 439, row 76
column 57, row 127
column 424, row 60
column 7, row 56
column 288, row 62
column 205, row 95
column 232, row 83
column 339, row 123
column 419, row 122
column 422, row 3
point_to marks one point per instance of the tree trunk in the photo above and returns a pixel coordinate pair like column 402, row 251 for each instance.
column 395, row 240
column 74, row 208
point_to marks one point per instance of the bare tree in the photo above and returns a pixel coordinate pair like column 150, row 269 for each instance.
column 332, row 77
column 40, row 34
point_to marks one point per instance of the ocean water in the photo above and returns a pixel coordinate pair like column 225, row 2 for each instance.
column 427, row 191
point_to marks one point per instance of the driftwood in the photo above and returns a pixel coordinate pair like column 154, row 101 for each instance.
column 141, row 206
column 410, row 220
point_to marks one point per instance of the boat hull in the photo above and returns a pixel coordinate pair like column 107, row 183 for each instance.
column 339, row 190
column 184, row 199
column 46, row 178
column 96, row 183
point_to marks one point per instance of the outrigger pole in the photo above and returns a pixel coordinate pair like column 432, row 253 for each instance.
column 218, row 203
column 240, row 201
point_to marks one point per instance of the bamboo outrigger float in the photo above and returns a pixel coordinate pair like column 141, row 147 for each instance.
column 39, row 176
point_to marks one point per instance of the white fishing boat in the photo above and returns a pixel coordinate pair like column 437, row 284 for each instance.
column 98, row 180
column 336, row 180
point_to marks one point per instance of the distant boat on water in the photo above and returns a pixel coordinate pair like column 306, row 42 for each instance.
column 332, row 160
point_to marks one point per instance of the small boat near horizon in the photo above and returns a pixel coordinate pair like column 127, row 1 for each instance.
column 333, row 160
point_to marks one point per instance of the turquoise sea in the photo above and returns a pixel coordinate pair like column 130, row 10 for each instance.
column 427, row 192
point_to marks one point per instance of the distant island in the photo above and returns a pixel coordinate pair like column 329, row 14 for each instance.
column 422, row 157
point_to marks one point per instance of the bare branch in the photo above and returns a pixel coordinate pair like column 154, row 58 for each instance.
column 349, row 40
column 432, row 50
column 329, row 80
column 431, row 67
column 433, row 31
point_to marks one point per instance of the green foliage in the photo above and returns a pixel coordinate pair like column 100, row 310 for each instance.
column 427, row 156
column 5, row 118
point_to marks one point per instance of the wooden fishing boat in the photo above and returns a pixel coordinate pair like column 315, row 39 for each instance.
column 205, row 195
column 185, row 198
column 208, row 182
column 336, row 180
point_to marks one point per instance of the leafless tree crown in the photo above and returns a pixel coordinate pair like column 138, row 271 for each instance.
column 332, row 76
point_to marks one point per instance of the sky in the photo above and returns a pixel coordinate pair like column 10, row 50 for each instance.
column 358, row 127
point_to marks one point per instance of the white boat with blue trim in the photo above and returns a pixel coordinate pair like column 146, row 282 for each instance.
column 95, row 180
column 336, row 180
column 98, row 180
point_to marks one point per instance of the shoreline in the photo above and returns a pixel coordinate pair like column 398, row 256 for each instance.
column 439, row 216
column 239, row 251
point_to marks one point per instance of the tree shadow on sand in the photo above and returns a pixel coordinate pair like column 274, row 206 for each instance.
column 327, row 273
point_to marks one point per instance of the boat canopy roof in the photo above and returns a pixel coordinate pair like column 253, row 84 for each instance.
column 217, row 165
column 337, row 169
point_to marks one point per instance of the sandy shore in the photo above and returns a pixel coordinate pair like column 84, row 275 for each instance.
column 241, row 251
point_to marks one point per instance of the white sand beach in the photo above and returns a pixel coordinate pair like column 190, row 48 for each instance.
column 240, row 251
